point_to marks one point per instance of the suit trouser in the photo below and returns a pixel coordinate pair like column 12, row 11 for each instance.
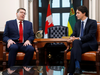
column 18, row 47
column 76, row 52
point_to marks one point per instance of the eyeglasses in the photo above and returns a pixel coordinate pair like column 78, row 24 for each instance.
column 22, row 12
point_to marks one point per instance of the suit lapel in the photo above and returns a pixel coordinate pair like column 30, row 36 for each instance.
column 86, row 26
column 24, row 28
column 79, row 28
column 16, row 26
column 87, row 23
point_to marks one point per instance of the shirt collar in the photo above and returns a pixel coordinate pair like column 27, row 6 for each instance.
column 85, row 20
column 18, row 21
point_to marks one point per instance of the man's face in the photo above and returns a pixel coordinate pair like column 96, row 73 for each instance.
column 21, row 15
column 79, row 15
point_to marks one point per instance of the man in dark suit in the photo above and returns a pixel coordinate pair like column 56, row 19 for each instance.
column 18, row 35
column 83, row 37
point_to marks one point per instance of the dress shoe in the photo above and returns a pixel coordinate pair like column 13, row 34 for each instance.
column 78, row 71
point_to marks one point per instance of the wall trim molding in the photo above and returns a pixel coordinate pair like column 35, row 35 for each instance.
column 21, row 3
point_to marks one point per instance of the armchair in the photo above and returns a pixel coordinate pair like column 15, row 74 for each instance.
column 19, row 57
column 91, row 58
column 55, row 50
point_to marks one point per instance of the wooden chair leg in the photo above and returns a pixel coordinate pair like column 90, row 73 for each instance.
column 65, row 63
column 46, row 57
column 37, row 58
column 4, row 56
column 65, row 71
column 37, row 55
column 98, row 62
column 98, row 68
column 4, row 65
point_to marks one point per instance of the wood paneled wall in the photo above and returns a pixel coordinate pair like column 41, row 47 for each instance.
column 1, row 46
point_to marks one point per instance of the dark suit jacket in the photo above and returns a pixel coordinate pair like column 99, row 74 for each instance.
column 89, row 33
column 12, row 32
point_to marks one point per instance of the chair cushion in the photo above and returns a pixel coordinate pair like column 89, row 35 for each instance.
column 20, row 56
column 87, row 56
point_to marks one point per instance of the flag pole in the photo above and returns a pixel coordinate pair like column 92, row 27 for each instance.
column 71, row 1
column 49, row 22
column 49, row 1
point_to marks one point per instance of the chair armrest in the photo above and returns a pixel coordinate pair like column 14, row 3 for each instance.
column 1, row 51
column 4, row 51
column 37, row 53
column 98, row 43
column 65, row 53
column 69, row 45
column 4, row 47
column 98, row 53
column 35, row 42
column 98, row 46
column 97, row 57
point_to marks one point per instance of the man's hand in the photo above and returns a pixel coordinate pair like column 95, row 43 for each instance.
column 10, row 71
column 71, row 39
column 27, row 42
column 27, row 69
column 10, row 42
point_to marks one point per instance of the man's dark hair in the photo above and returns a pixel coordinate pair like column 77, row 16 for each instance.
column 20, row 9
column 83, row 9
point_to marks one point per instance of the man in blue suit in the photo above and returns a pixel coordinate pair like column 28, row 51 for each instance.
column 18, row 35
column 83, row 37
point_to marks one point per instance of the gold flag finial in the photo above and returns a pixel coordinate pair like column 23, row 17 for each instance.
column 71, row 1
column 49, row 1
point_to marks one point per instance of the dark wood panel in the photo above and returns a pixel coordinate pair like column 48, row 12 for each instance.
column 35, row 16
column 1, row 45
column 86, row 3
column 1, row 35
column 1, row 51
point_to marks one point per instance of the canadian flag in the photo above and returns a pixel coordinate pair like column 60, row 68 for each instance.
column 49, row 71
column 49, row 22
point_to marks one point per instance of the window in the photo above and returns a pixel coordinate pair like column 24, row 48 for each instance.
column 40, row 3
column 56, row 18
column 60, row 10
column 65, row 3
column 65, row 17
column 40, row 21
column 55, row 3
column 40, row 6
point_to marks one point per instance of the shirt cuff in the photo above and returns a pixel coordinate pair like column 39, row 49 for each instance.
column 79, row 38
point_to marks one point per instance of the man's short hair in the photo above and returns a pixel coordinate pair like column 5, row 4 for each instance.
column 20, row 9
column 83, row 9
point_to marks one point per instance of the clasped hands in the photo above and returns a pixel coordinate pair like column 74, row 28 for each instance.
column 9, row 71
column 71, row 39
column 10, row 42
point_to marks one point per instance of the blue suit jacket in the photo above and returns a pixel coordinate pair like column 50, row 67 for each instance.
column 89, row 35
column 12, row 32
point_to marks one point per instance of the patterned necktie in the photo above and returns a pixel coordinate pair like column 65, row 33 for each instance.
column 82, row 29
column 20, row 32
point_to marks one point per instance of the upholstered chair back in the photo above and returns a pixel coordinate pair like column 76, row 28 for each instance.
column 57, row 32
